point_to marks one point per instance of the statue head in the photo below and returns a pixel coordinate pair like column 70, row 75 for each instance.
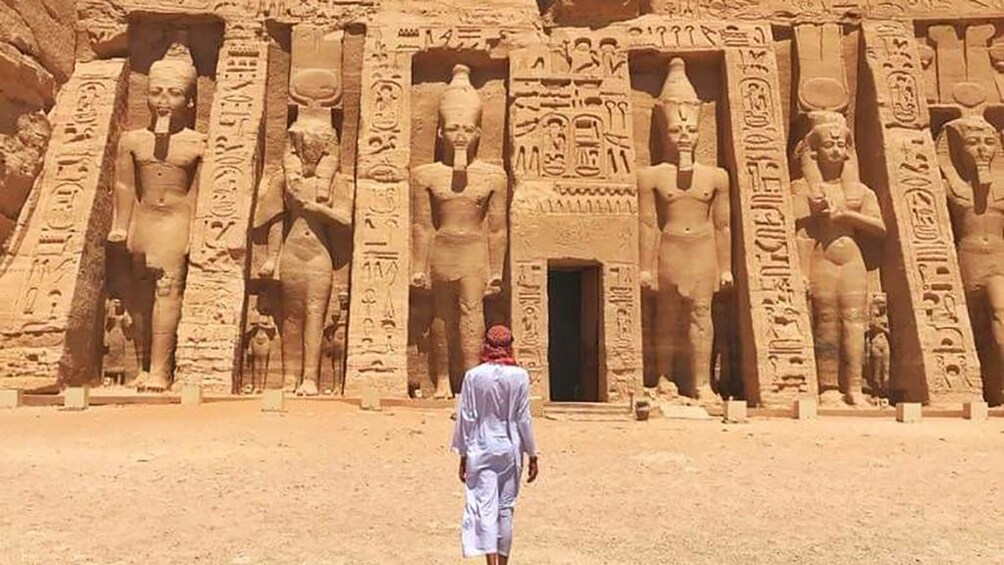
column 312, row 137
column 171, row 86
column 829, row 139
column 460, row 118
column 973, row 144
column 679, row 109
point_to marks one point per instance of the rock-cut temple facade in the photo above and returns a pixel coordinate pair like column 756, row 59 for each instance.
column 750, row 199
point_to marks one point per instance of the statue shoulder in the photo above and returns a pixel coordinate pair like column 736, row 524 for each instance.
column 423, row 173
column 495, row 172
column 647, row 176
column 133, row 137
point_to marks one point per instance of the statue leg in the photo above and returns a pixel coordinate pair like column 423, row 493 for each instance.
column 294, row 312
column 853, row 323
column 471, row 310
column 995, row 298
column 164, row 327
column 665, row 327
column 318, row 294
column 444, row 336
column 700, row 337
column 826, row 331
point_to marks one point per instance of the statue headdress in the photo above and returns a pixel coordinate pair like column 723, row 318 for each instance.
column 177, row 62
column 460, row 98
column 677, row 89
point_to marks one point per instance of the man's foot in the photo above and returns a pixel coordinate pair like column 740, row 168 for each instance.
column 307, row 388
column 116, row 236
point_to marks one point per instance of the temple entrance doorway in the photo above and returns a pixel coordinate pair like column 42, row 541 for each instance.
column 574, row 310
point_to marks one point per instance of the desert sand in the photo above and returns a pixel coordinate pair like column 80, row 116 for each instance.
column 325, row 483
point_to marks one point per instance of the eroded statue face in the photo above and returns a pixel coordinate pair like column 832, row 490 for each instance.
column 980, row 146
column 460, row 132
column 682, row 128
column 167, row 95
column 831, row 145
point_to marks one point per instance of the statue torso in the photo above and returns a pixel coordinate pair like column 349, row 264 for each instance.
column 459, row 210
column 685, row 208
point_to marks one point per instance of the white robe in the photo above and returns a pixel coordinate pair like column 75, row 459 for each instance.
column 493, row 431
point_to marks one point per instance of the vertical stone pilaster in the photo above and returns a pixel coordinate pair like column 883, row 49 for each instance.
column 778, row 359
column 933, row 354
column 214, row 299
column 381, row 267
column 53, row 278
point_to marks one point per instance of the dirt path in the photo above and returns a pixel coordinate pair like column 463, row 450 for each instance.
column 327, row 484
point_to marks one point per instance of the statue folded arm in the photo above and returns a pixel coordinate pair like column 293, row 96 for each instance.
column 869, row 219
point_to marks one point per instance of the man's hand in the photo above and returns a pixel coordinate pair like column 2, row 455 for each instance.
column 462, row 472
column 532, row 471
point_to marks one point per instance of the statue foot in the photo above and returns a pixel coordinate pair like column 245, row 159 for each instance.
column 443, row 390
column 307, row 388
column 248, row 389
column 139, row 381
column 705, row 394
column 831, row 398
column 153, row 383
column 857, row 399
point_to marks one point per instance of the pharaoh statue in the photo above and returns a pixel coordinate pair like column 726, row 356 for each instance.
column 118, row 329
column 686, row 240
column 459, row 233
column 972, row 169
column 154, row 198
column 304, row 214
column 834, row 214
column 877, row 338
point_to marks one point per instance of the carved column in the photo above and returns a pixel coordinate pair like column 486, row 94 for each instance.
column 778, row 360
column 934, row 355
column 53, row 278
column 214, row 299
column 378, row 309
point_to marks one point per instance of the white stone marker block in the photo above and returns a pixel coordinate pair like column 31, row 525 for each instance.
column 908, row 412
column 735, row 411
column 10, row 398
column 977, row 411
column 273, row 400
column 191, row 395
column 370, row 399
column 76, row 398
column 805, row 408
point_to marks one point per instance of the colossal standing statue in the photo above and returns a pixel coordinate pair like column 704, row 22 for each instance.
column 976, row 201
column 833, row 212
column 459, row 206
column 686, row 239
column 156, row 171
column 304, row 213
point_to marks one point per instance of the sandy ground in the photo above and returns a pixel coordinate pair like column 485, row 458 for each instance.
column 326, row 483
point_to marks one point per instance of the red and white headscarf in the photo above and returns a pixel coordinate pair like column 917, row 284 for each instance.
column 497, row 347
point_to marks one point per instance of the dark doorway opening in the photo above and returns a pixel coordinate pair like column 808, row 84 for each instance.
column 573, row 333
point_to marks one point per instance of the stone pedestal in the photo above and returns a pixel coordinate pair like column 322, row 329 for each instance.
column 908, row 412
column 273, row 400
column 735, row 411
column 805, row 408
column 76, row 398
column 976, row 411
column 53, row 278
column 536, row 407
column 10, row 398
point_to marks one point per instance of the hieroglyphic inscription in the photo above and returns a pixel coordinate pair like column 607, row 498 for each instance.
column 54, row 274
column 788, row 11
column 208, row 334
column 781, row 340
column 622, row 327
column 377, row 340
column 944, row 341
column 529, row 321
column 670, row 34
